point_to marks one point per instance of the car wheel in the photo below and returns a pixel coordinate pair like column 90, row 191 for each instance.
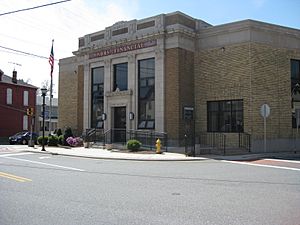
column 24, row 142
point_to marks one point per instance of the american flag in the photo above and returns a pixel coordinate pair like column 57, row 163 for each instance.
column 51, row 58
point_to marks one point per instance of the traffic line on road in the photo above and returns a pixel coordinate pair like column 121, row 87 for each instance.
column 283, row 160
column 262, row 165
column 46, row 164
column 14, row 177
column 16, row 154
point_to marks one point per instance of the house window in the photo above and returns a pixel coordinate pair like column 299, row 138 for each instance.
column 295, row 91
column 25, row 122
column 225, row 116
column 25, row 98
column 146, row 95
column 97, row 97
column 120, row 77
column 8, row 96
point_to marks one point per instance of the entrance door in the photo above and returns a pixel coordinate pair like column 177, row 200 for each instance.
column 119, row 134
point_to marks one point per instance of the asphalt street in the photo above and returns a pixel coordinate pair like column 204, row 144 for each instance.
column 51, row 189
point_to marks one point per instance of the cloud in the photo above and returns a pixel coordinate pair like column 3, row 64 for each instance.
column 32, row 31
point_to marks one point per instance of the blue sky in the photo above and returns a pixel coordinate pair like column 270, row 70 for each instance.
column 216, row 12
column 32, row 31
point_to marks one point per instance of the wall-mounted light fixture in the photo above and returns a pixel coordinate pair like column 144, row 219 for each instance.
column 103, row 116
column 131, row 116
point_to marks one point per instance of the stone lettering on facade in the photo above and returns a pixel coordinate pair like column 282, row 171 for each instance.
column 123, row 48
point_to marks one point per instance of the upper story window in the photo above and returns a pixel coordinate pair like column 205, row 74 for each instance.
column 25, row 122
column 120, row 77
column 25, row 98
column 225, row 116
column 295, row 91
column 146, row 95
column 97, row 97
column 9, row 96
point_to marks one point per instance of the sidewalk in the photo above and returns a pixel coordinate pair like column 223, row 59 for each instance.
column 115, row 154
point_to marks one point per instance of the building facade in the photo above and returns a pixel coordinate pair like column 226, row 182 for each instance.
column 148, row 74
column 16, row 97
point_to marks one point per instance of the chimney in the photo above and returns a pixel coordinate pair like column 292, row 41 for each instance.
column 1, row 74
column 14, row 78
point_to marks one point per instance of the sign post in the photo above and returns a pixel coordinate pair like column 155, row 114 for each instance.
column 265, row 112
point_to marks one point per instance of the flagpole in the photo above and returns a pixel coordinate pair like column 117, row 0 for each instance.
column 51, row 92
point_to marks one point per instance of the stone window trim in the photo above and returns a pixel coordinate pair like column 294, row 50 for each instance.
column 97, row 37
column 145, row 25
column 120, row 31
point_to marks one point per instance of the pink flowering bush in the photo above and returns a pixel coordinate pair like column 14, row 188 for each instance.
column 74, row 141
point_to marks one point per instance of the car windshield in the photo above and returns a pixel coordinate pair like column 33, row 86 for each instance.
column 20, row 133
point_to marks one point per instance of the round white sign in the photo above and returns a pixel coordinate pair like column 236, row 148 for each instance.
column 265, row 110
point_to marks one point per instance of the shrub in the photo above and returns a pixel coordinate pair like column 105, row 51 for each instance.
column 61, row 139
column 74, row 142
column 58, row 132
column 133, row 145
column 52, row 140
column 68, row 133
column 40, row 139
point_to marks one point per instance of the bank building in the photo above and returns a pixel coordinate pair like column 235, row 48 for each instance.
column 228, row 87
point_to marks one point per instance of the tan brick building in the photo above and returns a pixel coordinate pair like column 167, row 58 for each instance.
column 142, row 74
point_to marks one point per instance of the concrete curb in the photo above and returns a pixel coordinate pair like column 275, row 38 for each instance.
column 119, row 158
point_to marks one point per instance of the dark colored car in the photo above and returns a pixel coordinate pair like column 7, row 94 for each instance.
column 22, row 138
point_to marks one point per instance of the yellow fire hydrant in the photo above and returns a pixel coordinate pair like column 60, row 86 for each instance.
column 158, row 146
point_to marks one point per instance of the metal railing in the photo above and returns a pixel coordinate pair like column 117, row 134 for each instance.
column 245, row 141
column 213, row 140
column 93, row 135
column 148, row 138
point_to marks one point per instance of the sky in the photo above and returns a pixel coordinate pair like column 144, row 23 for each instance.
column 32, row 31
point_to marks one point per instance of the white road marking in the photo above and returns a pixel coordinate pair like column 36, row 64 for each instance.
column 46, row 164
column 45, row 157
column 16, row 154
column 261, row 165
column 283, row 160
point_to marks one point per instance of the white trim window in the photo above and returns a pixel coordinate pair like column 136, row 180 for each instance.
column 25, row 122
column 9, row 96
column 25, row 98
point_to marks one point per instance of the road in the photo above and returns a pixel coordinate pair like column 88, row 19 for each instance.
column 51, row 189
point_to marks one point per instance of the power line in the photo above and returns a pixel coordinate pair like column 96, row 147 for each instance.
column 35, row 7
column 26, row 53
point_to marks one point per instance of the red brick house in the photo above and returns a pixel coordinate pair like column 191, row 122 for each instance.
column 16, row 96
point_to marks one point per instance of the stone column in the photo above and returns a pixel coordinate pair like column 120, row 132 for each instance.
column 107, row 88
column 132, row 85
column 86, row 97
column 159, row 89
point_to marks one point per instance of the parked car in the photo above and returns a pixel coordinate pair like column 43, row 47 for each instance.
column 22, row 138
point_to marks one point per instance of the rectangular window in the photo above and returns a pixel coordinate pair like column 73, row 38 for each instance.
column 97, row 97
column 8, row 96
column 225, row 116
column 120, row 77
column 25, row 122
column 295, row 91
column 25, row 98
column 146, row 95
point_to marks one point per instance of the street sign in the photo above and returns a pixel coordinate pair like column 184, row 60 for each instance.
column 265, row 110
column 188, row 113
